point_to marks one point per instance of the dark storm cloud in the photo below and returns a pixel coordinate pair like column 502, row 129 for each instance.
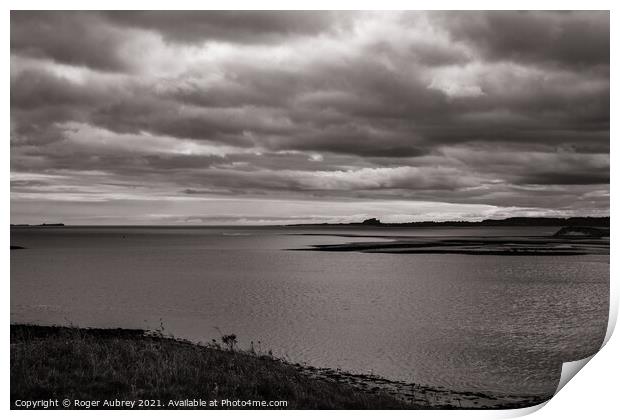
column 76, row 38
column 562, row 178
column 564, row 38
column 34, row 88
column 233, row 26
column 504, row 109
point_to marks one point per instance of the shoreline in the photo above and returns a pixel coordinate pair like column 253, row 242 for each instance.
column 107, row 358
column 473, row 245
column 426, row 396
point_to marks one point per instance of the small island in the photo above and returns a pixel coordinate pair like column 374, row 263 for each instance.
column 581, row 232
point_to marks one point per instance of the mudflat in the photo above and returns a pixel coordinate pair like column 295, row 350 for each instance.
column 471, row 245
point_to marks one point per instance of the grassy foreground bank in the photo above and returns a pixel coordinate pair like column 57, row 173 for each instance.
column 107, row 364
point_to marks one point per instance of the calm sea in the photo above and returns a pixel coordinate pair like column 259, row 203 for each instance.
column 466, row 322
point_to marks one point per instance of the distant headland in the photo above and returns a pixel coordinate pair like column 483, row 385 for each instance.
column 511, row 221
column 41, row 225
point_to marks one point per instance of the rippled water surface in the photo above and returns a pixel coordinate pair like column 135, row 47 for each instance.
column 467, row 322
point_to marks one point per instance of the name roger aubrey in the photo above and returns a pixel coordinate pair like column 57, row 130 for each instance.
column 101, row 403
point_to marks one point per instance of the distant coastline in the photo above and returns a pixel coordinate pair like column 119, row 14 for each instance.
column 511, row 221
column 374, row 222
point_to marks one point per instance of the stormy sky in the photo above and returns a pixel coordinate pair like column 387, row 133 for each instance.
column 284, row 117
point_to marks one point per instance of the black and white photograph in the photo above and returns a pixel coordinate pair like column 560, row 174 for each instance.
column 306, row 209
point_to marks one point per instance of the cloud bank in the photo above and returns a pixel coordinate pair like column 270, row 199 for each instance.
column 265, row 117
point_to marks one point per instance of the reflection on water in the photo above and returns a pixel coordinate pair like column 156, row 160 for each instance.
column 495, row 323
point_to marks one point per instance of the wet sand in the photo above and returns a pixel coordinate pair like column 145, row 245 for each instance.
column 515, row 246
column 421, row 396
